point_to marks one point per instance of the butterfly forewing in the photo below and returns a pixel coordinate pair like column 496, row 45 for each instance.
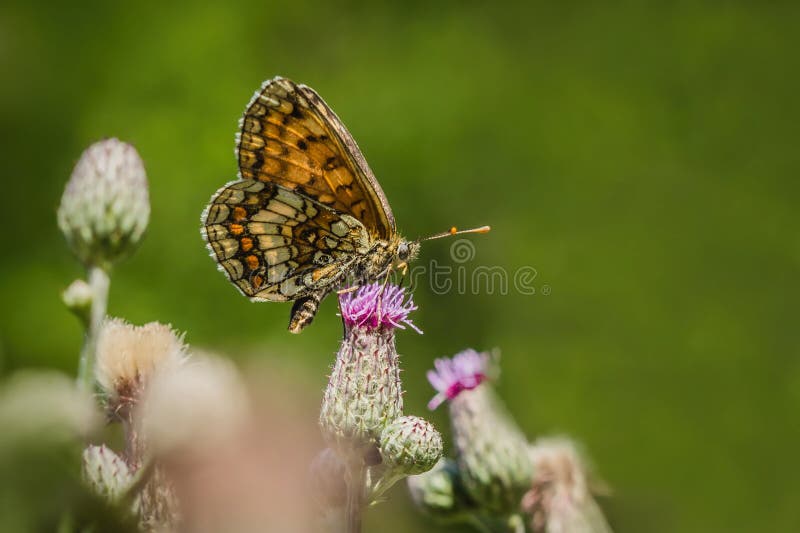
column 289, row 136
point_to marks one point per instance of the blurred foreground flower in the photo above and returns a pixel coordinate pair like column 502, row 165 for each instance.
column 44, row 423
column 44, row 407
column 129, row 356
column 362, row 409
column 197, row 457
column 232, row 451
column 130, row 361
column 559, row 500
column 218, row 452
column 194, row 406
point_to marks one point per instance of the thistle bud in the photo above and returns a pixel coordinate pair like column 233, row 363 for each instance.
column 364, row 392
column 491, row 450
column 106, row 473
column 410, row 445
column 105, row 206
column 78, row 299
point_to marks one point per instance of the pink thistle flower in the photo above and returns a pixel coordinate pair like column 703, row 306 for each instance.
column 377, row 305
column 464, row 371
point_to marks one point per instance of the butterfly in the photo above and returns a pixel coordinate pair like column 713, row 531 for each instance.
column 306, row 214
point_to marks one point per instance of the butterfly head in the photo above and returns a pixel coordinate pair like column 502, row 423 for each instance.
column 407, row 251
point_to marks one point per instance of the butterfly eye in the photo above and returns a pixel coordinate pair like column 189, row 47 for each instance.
column 402, row 251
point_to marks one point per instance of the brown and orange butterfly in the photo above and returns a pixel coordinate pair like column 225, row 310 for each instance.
column 306, row 214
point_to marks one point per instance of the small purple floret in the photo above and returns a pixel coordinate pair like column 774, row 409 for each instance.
column 464, row 371
column 377, row 305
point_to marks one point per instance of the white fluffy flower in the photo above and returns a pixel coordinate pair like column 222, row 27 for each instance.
column 128, row 356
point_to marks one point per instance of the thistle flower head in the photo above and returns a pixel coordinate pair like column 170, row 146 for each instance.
column 128, row 356
column 105, row 207
column 451, row 376
column 364, row 392
column 491, row 450
column 559, row 498
column 377, row 305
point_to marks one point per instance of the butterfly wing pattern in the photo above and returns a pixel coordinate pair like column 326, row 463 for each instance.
column 306, row 210
column 289, row 136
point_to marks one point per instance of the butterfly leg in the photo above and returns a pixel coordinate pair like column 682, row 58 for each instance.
column 304, row 310
column 388, row 274
column 403, row 267
column 352, row 288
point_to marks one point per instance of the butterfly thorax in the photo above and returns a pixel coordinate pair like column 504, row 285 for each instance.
column 383, row 256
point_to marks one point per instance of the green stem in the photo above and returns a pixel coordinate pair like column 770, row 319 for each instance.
column 355, row 491
column 382, row 485
column 98, row 282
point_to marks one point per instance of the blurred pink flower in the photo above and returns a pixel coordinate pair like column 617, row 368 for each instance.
column 464, row 371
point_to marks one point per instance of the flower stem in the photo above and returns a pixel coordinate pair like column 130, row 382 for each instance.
column 98, row 282
column 355, row 490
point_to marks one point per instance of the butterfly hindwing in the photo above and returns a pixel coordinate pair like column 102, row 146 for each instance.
column 276, row 244
column 289, row 136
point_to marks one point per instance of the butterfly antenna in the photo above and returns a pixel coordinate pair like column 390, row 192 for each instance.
column 455, row 231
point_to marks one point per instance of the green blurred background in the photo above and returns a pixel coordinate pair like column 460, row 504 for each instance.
column 642, row 158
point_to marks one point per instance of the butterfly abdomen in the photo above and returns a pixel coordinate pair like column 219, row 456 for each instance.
column 304, row 310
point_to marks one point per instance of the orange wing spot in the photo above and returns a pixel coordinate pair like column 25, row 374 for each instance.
column 239, row 213
column 237, row 229
column 258, row 281
column 246, row 244
column 252, row 262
